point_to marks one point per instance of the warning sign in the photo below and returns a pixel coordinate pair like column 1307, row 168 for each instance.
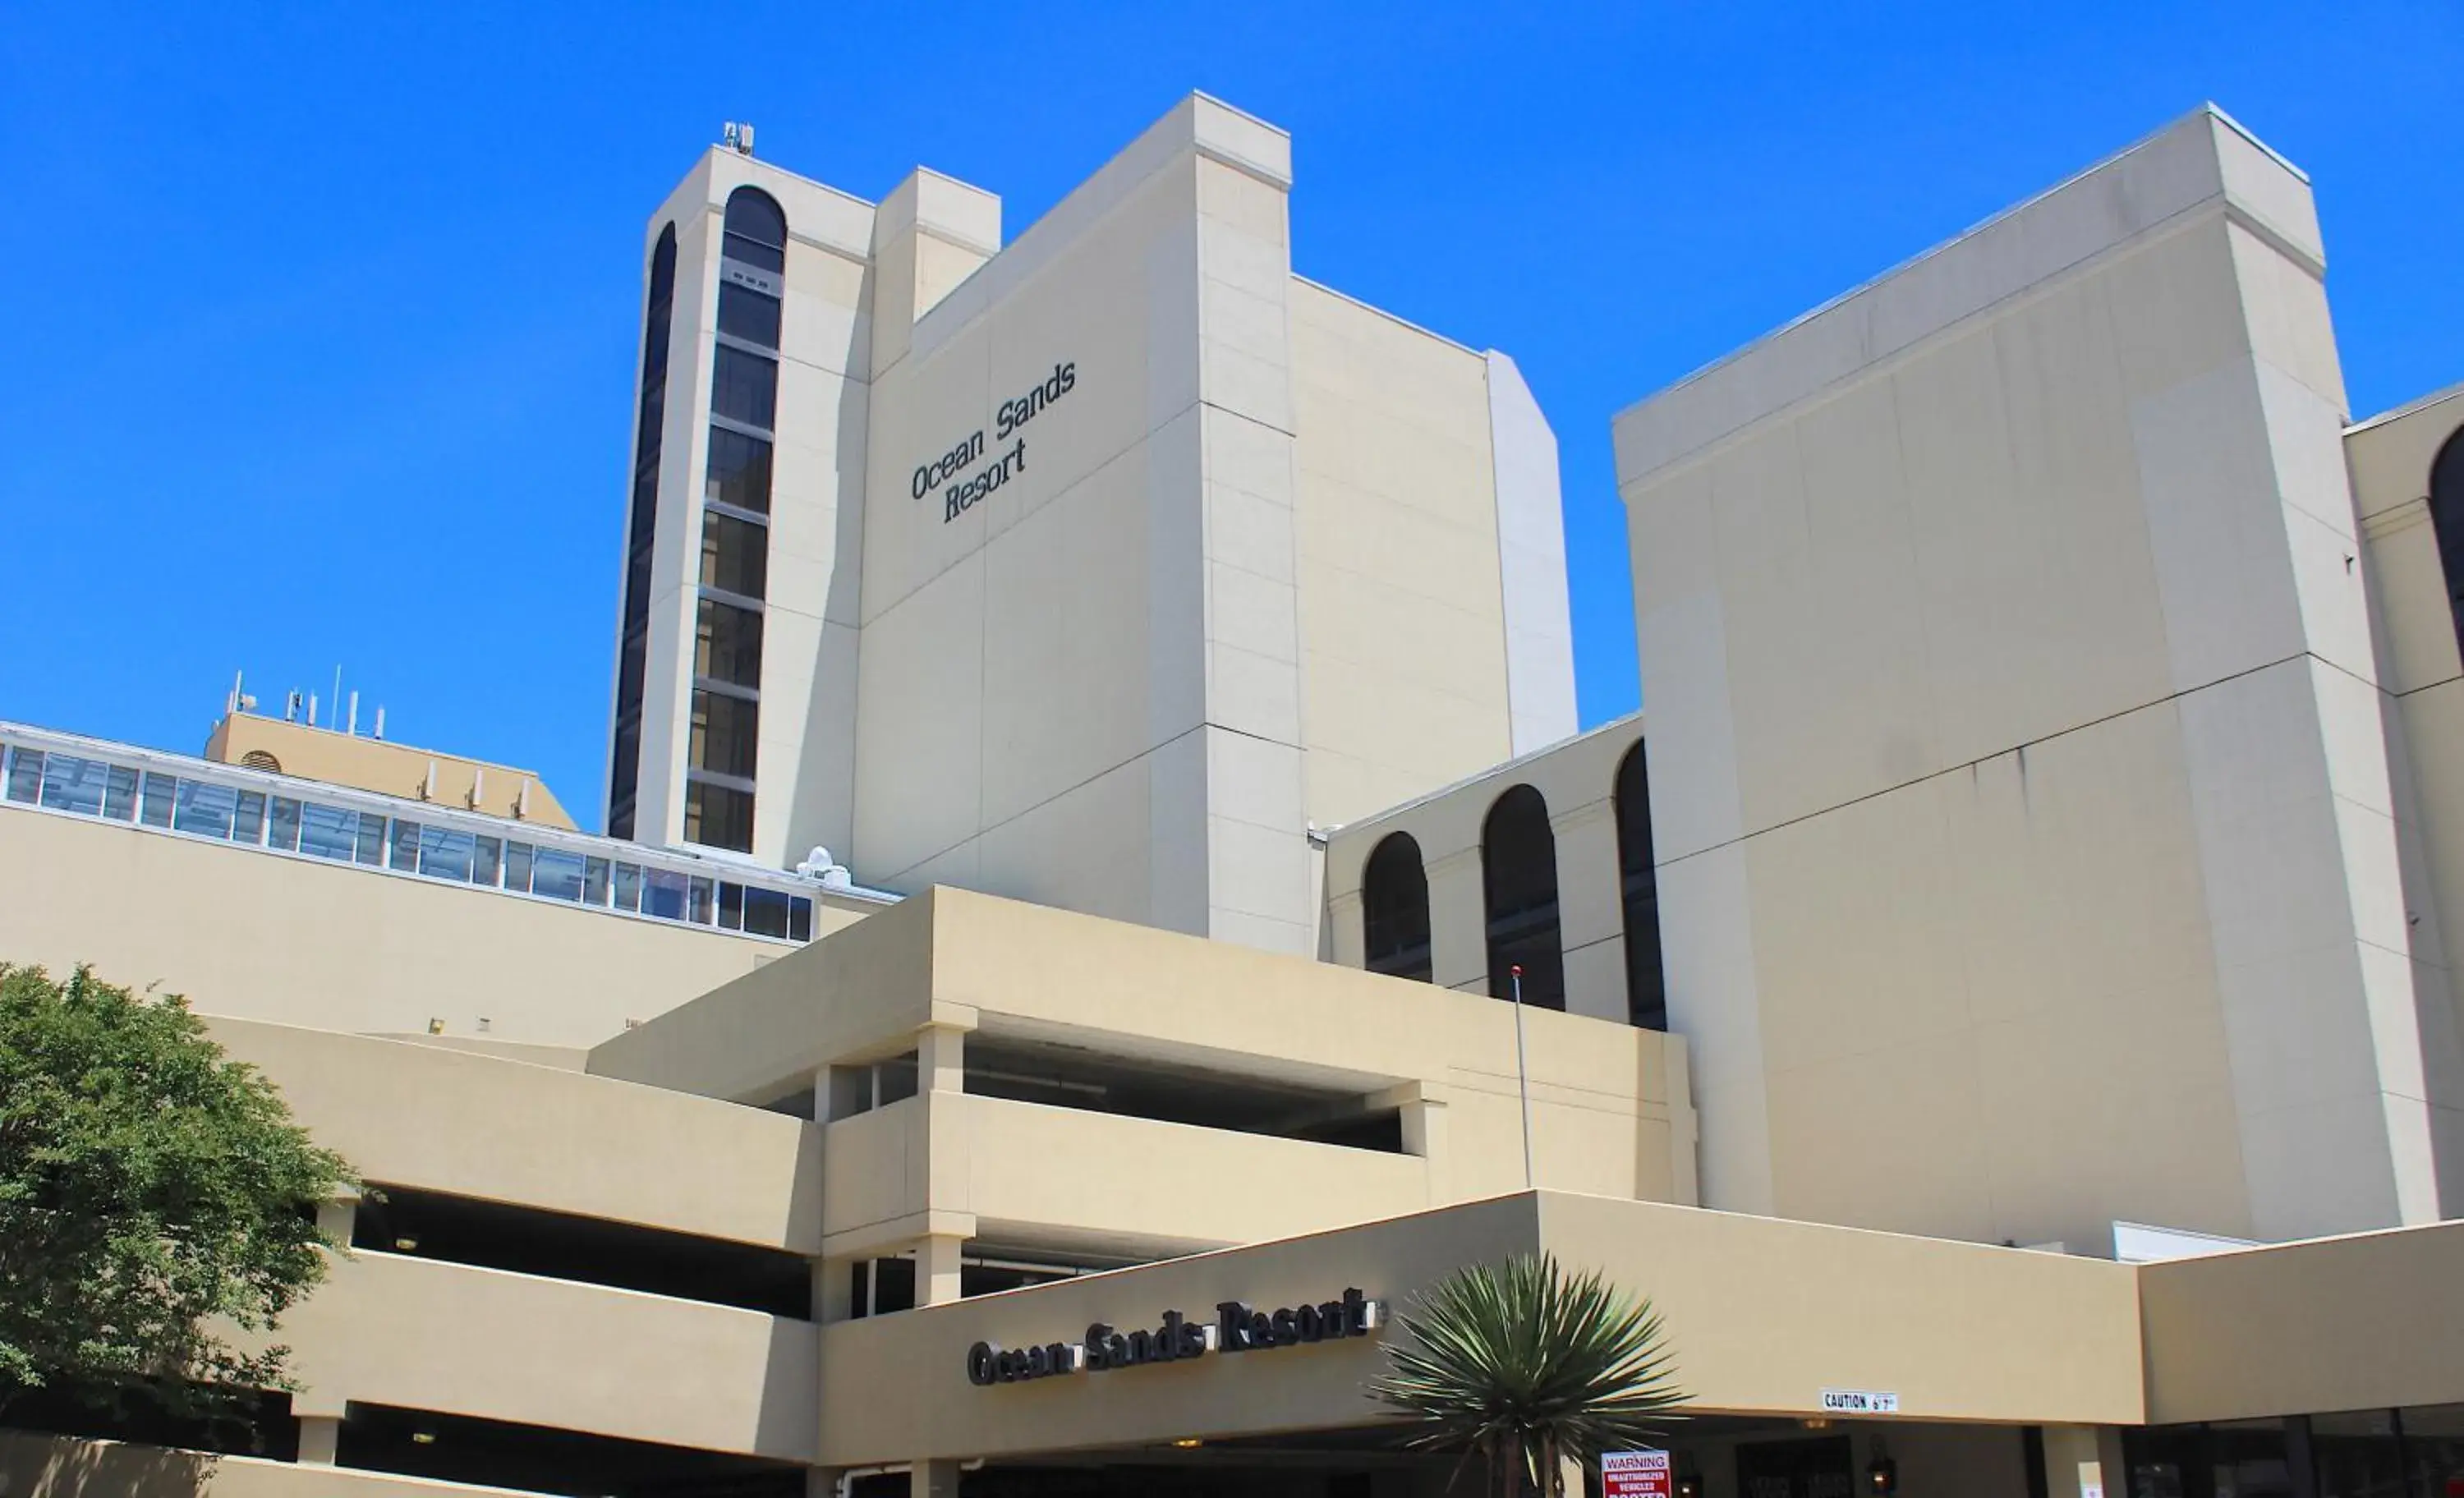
column 1636, row 1474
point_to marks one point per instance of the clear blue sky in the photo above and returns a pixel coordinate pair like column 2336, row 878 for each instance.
column 321, row 328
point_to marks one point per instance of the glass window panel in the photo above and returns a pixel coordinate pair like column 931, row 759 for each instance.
column 73, row 784
column 445, row 854
column 372, row 829
column 731, row 905
column 697, row 892
column 204, row 809
column 754, row 214
column 799, row 919
column 628, row 887
column 734, row 556
column 727, row 644
column 325, row 832
column 723, row 730
column 744, row 387
column 765, row 912
column 155, row 799
column 594, row 881
column 663, row 895
column 718, row 816
column 120, row 795
column 283, row 832
column 747, row 313
column 739, row 470
column 753, row 252
column 895, row 1080
column 406, row 846
column 556, row 873
column 247, row 819
column 487, row 860
column 517, row 868
column 25, row 775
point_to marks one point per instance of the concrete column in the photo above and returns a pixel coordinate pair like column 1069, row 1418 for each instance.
column 1424, row 1110
column 936, row 1269
column 1591, row 909
column 933, row 1480
column 1344, row 930
column 319, row 1438
column 833, row 1289
column 336, row 1218
column 941, row 1059
column 1458, row 922
column 2084, row 1461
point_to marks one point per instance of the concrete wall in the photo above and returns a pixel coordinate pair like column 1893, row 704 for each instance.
column 46, row 1466
column 301, row 941
column 1762, row 1316
column 2028, row 851
column 1577, row 780
column 1403, row 610
column 2368, row 1322
column 2422, row 700
column 385, row 766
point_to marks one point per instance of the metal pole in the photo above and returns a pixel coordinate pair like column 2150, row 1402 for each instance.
column 1522, row 1076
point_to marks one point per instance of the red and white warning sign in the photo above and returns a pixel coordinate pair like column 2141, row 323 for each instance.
column 1636, row 1474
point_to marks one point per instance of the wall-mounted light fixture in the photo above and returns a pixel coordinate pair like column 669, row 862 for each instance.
column 1881, row 1475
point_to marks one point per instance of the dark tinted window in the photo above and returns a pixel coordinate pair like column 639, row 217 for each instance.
column 734, row 555
column 723, row 730
column 739, row 470
column 744, row 387
column 746, row 313
column 2447, row 519
column 717, row 816
column 757, row 231
column 641, row 523
column 727, row 644
column 1518, row 857
column 1395, row 910
column 1646, row 989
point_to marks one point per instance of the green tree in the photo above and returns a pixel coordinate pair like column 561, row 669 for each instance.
column 155, row 1198
column 1523, row 1365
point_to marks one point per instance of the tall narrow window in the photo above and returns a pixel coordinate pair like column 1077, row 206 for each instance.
column 735, row 526
column 1646, row 990
column 1395, row 910
column 641, row 526
column 2447, row 519
column 1518, row 865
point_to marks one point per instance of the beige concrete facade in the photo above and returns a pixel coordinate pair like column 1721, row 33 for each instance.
column 385, row 767
column 1313, row 553
column 2017, row 720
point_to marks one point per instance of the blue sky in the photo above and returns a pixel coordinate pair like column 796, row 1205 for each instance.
column 322, row 320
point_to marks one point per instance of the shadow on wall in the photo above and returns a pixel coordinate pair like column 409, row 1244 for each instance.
column 45, row 1466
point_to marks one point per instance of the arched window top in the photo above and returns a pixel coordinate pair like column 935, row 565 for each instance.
column 663, row 265
column 1518, row 852
column 1395, row 910
column 2446, row 521
column 756, row 231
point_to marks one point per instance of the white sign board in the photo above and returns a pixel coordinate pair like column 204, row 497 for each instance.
column 1859, row 1401
column 1635, row 1474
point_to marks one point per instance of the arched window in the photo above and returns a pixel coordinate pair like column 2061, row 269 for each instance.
column 1395, row 909
column 1518, row 866
column 641, row 525
column 757, row 231
column 1646, row 989
column 2447, row 519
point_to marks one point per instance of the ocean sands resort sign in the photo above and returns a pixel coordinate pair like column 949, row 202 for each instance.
column 1236, row 1327
column 963, row 476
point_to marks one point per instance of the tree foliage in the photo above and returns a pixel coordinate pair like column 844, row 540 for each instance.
column 1523, row 1365
column 156, row 1200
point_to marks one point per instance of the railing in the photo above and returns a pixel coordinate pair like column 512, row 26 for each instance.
column 43, row 770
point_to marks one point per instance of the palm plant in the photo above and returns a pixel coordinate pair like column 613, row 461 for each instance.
column 1526, row 1366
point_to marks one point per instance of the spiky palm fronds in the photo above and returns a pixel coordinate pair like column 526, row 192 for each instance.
column 1525, row 1364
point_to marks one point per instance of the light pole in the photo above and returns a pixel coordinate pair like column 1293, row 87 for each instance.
column 1522, row 1076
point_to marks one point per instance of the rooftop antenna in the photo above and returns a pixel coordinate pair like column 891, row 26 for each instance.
column 290, row 706
column 354, row 728
column 380, row 720
column 312, row 710
column 737, row 137
column 335, row 700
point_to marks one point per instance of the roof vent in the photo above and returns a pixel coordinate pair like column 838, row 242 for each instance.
column 259, row 759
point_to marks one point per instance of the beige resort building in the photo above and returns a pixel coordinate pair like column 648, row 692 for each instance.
column 1993, row 999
